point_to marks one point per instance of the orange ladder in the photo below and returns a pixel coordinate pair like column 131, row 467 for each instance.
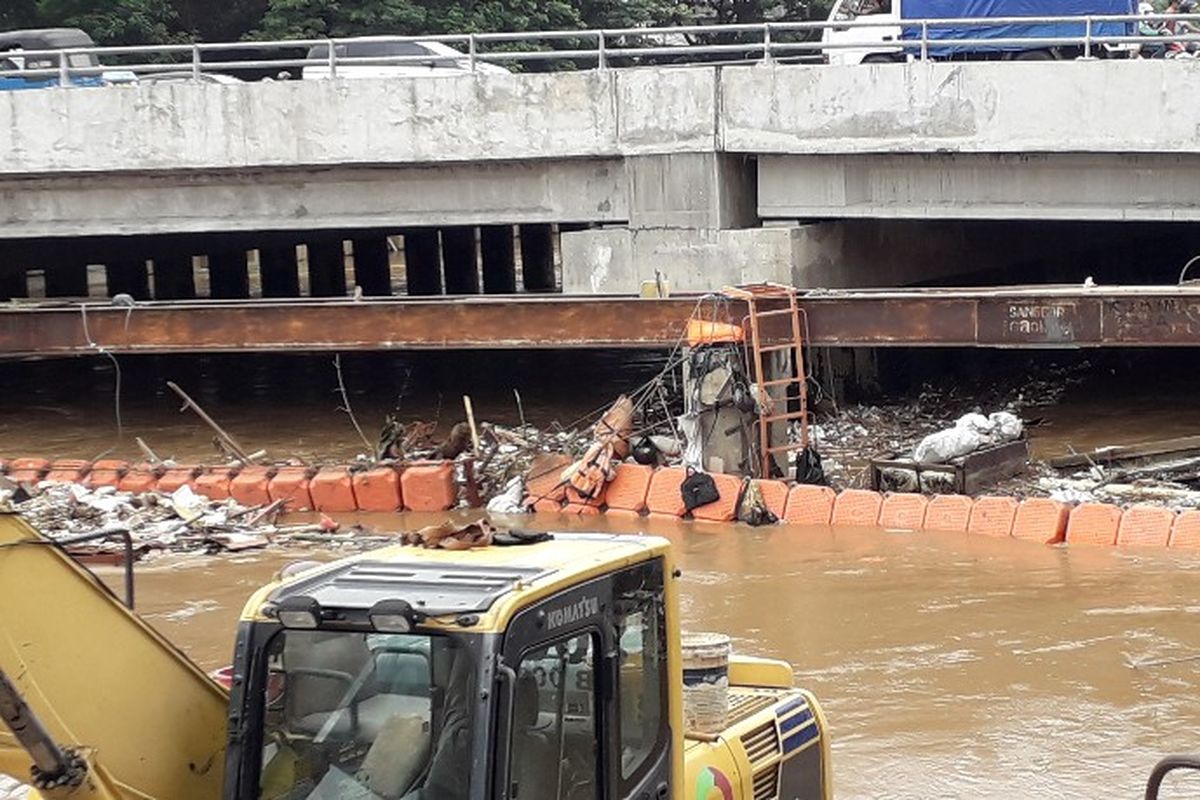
column 753, row 295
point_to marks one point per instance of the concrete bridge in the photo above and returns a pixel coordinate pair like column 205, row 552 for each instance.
column 710, row 175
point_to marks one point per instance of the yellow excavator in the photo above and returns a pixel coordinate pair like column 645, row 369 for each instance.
column 549, row 667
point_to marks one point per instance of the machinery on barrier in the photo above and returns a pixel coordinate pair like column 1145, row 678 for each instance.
column 548, row 668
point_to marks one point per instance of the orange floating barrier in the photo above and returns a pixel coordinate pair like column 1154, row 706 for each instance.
column 545, row 479
column 292, row 486
column 214, row 482
column 664, row 498
column 948, row 513
column 902, row 511
column 106, row 472
column 1040, row 519
column 724, row 508
column 622, row 512
column 1145, row 526
column 546, row 505
column 429, row 486
column 250, row 486
column 27, row 470
column 175, row 477
column 629, row 489
column 774, row 494
column 1185, row 534
column 993, row 516
column 378, row 489
column 1093, row 523
column 332, row 491
column 68, row 470
column 139, row 479
column 809, row 505
column 574, row 498
column 857, row 507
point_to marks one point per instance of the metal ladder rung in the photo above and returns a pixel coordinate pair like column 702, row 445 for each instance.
column 778, row 417
column 775, row 348
column 791, row 448
column 777, row 313
column 780, row 382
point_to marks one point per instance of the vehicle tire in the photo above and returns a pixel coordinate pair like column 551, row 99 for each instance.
column 879, row 58
column 1034, row 55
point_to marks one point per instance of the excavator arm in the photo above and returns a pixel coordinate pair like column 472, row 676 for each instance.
column 87, row 685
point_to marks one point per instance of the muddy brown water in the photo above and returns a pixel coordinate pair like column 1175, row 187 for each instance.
column 949, row 666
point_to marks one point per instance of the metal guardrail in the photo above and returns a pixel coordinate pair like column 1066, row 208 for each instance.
column 609, row 48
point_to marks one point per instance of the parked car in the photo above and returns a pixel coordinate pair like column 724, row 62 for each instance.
column 185, row 77
column 21, row 71
column 374, row 57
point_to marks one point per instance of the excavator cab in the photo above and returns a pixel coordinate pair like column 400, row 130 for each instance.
column 428, row 678
column 539, row 671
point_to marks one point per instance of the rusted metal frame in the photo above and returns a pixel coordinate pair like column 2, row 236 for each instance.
column 1043, row 317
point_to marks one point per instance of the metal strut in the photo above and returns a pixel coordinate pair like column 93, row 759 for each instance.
column 773, row 409
column 53, row 766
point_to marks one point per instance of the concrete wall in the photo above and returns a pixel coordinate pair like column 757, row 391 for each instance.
column 1002, row 107
column 290, row 199
column 689, row 160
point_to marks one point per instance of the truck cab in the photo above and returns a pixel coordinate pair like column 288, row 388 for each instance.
column 886, row 31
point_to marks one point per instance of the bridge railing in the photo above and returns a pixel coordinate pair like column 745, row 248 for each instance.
column 922, row 39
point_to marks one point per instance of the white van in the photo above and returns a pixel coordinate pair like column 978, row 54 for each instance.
column 427, row 59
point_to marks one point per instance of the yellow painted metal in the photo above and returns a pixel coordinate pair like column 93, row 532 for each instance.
column 725, row 753
column 153, row 724
column 750, row 671
column 103, row 681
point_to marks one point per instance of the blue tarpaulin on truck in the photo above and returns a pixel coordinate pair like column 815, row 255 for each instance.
column 981, row 9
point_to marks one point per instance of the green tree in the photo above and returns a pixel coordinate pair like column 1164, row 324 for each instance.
column 225, row 21
column 313, row 18
column 114, row 21
column 18, row 14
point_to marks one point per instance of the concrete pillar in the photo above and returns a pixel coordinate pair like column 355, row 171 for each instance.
column 372, row 266
column 326, row 269
column 128, row 276
column 278, row 271
column 499, row 263
column 537, row 258
column 174, row 277
column 228, row 274
column 13, row 282
column 67, row 279
column 460, row 260
column 422, row 261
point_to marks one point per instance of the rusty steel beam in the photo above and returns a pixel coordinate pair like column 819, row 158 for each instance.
column 1033, row 317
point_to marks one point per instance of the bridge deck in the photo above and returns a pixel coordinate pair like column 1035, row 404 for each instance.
column 1030, row 317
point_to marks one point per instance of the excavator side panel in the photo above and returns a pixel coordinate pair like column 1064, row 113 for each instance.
column 102, row 680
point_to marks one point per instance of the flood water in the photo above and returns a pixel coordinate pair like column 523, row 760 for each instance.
column 949, row 666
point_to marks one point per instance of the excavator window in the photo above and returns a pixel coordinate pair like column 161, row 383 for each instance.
column 555, row 743
column 367, row 716
column 642, row 683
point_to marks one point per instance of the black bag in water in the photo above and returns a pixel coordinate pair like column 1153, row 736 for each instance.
column 809, row 469
column 698, row 489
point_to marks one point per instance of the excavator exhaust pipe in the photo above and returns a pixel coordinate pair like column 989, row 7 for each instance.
column 53, row 766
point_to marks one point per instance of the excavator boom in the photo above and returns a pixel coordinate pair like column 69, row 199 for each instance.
column 98, row 685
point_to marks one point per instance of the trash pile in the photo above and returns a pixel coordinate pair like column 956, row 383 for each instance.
column 182, row 521
column 970, row 433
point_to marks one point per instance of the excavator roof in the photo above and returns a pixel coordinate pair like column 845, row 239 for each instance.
column 439, row 582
